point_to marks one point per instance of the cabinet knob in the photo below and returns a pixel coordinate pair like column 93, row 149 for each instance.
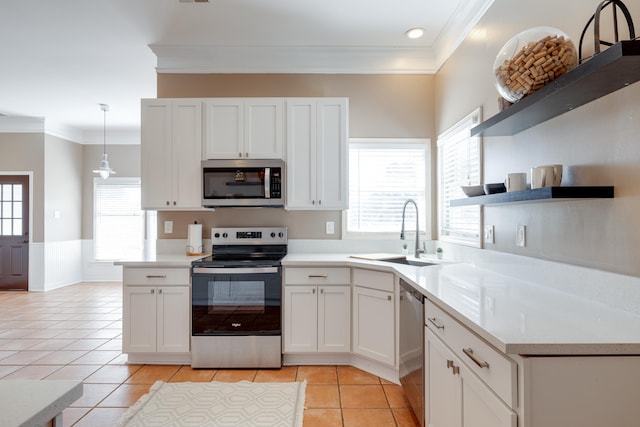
column 174, row 203
column 388, row 297
column 153, row 291
column 449, row 363
column 313, row 291
column 246, row 154
column 322, row 291
column 313, row 202
column 159, row 291
column 167, row 203
column 319, row 202
column 239, row 154
column 456, row 370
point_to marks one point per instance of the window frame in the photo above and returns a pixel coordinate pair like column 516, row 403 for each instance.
column 468, row 122
column 425, row 234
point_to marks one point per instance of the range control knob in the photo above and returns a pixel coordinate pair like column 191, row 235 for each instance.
column 217, row 235
column 273, row 235
column 225, row 235
column 281, row 234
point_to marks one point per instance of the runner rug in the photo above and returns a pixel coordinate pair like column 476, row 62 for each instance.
column 213, row 404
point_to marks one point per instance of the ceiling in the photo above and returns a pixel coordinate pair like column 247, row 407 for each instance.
column 62, row 58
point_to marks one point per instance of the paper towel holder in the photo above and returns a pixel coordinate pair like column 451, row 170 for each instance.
column 194, row 239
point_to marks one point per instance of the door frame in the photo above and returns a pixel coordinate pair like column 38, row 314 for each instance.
column 29, row 174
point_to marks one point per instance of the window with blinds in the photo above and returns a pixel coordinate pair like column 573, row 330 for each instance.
column 119, row 223
column 383, row 174
column 459, row 163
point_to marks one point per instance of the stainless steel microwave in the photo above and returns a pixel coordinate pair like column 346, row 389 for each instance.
column 243, row 183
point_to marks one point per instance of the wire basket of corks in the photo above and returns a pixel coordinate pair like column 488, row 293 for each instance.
column 531, row 59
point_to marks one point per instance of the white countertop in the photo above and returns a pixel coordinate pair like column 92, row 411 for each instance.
column 515, row 315
column 161, row 260
column 34, row 403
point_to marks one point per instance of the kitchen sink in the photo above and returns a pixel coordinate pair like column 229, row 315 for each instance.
column 406, row 261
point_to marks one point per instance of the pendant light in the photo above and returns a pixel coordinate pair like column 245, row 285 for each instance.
column 104, row 170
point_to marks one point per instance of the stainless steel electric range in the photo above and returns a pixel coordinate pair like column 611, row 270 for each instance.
column 236, row 300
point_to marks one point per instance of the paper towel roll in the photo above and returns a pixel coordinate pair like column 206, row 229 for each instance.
column 194, row 239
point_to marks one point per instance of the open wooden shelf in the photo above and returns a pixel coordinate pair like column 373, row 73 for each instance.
column 610, row 70
column 538, row 195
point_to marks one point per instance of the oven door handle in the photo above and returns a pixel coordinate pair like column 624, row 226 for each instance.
column 231, row 271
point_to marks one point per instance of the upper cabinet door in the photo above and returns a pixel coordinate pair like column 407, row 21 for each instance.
column 156, row 152
column 224, row 128
column 331, row 154
column 317, row 132
column 264, row 128
column 238, row 128
column 301, row 157
column 171, row 153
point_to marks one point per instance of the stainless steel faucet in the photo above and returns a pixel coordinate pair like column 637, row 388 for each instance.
column 417, row 251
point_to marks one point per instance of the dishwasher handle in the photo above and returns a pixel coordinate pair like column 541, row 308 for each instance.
column 410, row 291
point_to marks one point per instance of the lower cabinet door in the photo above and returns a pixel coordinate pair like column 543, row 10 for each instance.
column 139, row 319
column 334, row 319
column 173, row 314
column 300, row 319
column 443, row 389
column 374, row 324
column 481, row 407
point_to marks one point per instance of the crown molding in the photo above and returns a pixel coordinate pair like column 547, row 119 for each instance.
column 198, row 59
column 293, row 59
column 466, row 16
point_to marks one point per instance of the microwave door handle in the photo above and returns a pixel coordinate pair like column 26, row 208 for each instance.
column 267, row 183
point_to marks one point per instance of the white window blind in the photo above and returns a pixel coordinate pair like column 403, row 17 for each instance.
column 383, row 174
column 459, row 163
column 119, row 223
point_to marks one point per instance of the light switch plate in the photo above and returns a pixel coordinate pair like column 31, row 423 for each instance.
column 168, row 227
column 330, row 227
column 521, row 235
column 488, row 234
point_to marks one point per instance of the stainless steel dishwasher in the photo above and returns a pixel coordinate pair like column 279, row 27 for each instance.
column 412, row 347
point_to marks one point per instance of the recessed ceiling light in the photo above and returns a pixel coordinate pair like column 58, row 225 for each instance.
column 415, row 33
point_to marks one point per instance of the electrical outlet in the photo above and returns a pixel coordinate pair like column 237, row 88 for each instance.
column 330, row 227
column 488, row 234
column 521, row 235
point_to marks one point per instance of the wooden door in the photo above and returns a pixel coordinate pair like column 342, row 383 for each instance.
column 14, row 232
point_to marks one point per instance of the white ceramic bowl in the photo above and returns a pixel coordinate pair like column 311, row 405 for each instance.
column 473, row 190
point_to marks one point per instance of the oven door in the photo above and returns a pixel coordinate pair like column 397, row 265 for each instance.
column 236, row 301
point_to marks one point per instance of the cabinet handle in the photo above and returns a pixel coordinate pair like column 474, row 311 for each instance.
column 322, row 291
column 313, row 202
column 246, row 154
column 239, row 154
column 449, row 363
column 313, row 291
column 318, row 276
column 469, row 353
column 151, row 276
column 388, row 297
column 435, row 323
column 456, row 370
column 153, row 291
column 174, row 203
column 167, row 203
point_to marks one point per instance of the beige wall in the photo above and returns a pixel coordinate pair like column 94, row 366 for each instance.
column 24, row 152
column 124, row 159
column 597, row 144
column 63, row 189
column 379, row 106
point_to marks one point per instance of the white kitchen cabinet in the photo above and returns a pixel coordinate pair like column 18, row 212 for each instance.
column 317, row 132
column 156, row 310
column 239, row 128
column 455, row 396
column 171, row 152
column 374, row 319
column 317, row 316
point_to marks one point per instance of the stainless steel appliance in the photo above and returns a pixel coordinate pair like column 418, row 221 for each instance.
column 412, row 347
column 236, row 300
column 243, row 183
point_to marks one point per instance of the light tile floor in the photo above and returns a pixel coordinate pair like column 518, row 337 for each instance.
column 75, row 333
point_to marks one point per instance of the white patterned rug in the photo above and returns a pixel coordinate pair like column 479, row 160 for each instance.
column 216, row 404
